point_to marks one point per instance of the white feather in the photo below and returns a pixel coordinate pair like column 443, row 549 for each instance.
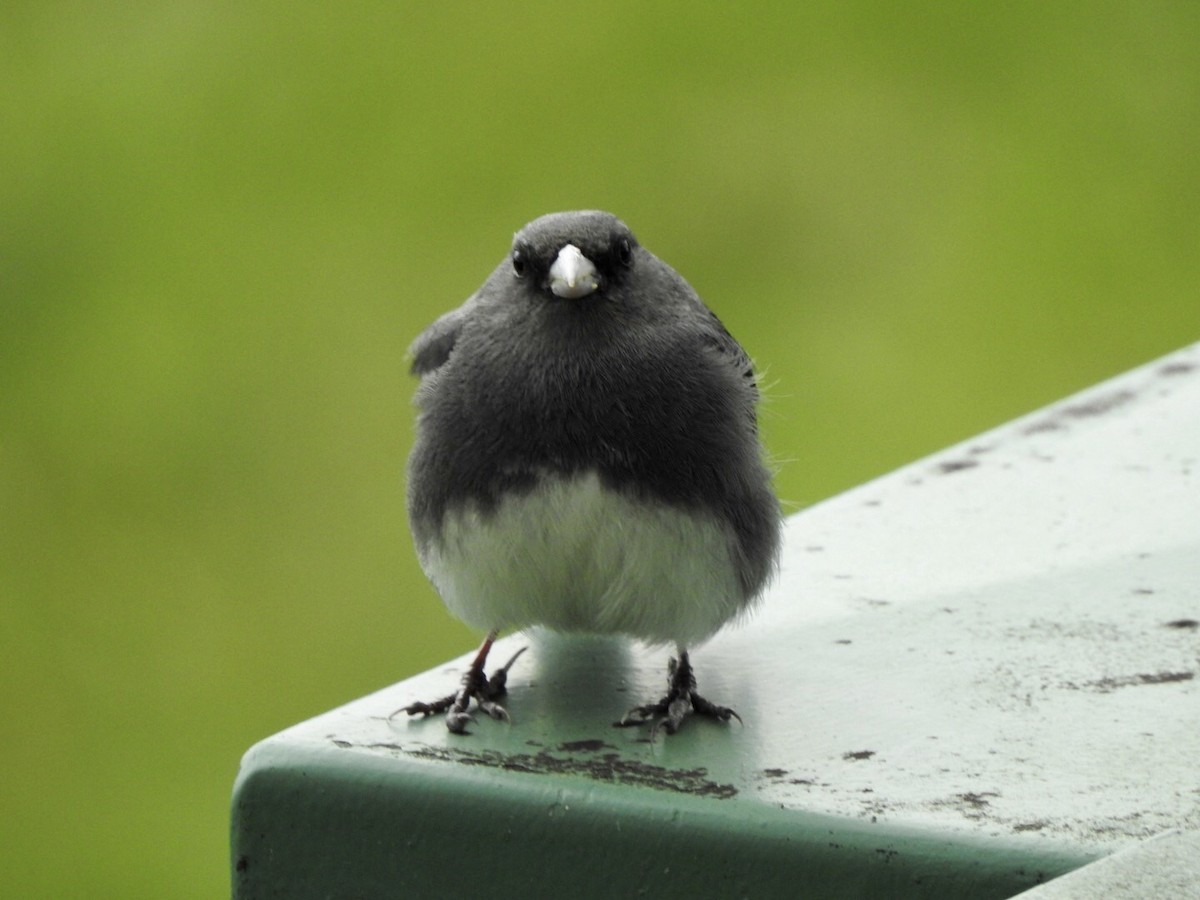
column 574, row 556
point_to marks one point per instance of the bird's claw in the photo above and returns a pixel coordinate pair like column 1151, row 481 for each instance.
column 475, row 686
column 642, row 714
column 493, row 709
column 497, row 684
column 426, row 709
column 714, row 711
column 680, row 702
column 457, row 721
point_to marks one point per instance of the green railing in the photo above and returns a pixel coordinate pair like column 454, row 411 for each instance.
column 972, row 676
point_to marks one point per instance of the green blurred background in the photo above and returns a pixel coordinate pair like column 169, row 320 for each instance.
column 222, row 223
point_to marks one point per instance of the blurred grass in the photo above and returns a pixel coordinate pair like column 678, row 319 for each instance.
column 221, row 224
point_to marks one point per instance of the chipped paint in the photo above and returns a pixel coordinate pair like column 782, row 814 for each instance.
column 591, row 758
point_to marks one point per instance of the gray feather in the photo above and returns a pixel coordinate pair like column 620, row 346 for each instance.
column 638, row 382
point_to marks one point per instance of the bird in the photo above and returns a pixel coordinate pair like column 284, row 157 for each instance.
column 587, row 459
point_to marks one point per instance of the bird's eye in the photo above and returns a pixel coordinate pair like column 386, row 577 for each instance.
column 518, row 263
column 625, row 251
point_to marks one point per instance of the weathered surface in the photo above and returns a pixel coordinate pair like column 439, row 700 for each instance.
column 1166, row 867
column 973, row 674
column 1010, row 627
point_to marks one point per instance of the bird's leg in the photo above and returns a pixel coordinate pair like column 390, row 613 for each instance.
column 680, row 702
column 475, row 685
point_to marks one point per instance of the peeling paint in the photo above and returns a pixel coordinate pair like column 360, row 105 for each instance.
column 950, row 466
column 585, row 760
column 1108, row 685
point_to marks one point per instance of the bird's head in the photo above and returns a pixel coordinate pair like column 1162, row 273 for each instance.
column 572, row 255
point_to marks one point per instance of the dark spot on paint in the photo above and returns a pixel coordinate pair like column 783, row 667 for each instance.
column 956, row 465
column 1165, row 677
column 1030, row 826
column 1042, row 426
column 774, row 773
column 1176, row 368
column 592, row 745
column 343, row 744
column 243, row 863
column 843, row 641
column 977, row 801
column 1108, row 685
column 1097, row 406
column 858, row 754
column 1183, row 623
column 971, row 805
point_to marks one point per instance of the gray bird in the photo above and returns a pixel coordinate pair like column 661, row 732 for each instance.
column 587, row 459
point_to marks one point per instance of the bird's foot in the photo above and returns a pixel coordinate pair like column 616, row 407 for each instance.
column 680, row 702
column 476, row 686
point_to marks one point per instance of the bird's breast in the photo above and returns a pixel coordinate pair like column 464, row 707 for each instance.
column 576, row 555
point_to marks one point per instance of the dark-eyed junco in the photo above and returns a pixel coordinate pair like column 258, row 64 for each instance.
column 587, row 459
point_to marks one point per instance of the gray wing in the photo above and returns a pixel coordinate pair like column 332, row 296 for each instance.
column 434, row 345
column 720, row 339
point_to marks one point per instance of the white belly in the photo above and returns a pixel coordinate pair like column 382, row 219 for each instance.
column 573, row 556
